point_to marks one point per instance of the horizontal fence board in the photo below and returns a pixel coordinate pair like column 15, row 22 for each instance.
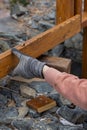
column 41, row 43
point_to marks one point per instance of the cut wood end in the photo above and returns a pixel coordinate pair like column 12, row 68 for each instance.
column 41, row 103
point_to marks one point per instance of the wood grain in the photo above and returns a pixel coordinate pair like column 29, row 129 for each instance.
column 64, row 10
column 84, row 19
column 41, row 43
column 59, row 63
column 78, row 7
column 41, row 103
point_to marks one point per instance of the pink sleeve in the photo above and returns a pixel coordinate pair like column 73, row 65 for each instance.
column 70, row 86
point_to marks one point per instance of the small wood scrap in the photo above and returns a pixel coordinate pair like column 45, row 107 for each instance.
column 41, row 103
column 59, row 63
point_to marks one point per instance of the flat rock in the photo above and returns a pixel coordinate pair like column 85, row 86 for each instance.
column 8, row 114
column 3, row 127
column 27, row 91
column 74, row 115
column 3, row 100
column 23, row 124
column 41, row 86
column 22, row 112
column 18, row 9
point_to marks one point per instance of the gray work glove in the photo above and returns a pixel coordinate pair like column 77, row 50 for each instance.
column 28, row 67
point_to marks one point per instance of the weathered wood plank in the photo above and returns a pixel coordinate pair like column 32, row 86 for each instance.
column 41, row 43
column 64, row 10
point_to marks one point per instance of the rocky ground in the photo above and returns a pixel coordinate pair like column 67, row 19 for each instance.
column 22, row 24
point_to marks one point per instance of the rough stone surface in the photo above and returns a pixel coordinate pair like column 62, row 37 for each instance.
column 3, row 127
column 27, row 91
column 22, row 112
column 4, row 46
column 18, row 10
column 8, row 114
column 14, row 114
column 74, row 115
column 41, row 87
column 73, row 48
column 3, row 100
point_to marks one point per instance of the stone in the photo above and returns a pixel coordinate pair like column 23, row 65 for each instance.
column 18, row 99
column 41, row 87
column 11, row 103
column 68, row 127
column 43, row 25
column 27, row 92
column 74, row 42
column 33, row 114
column 57, row 51
column 10, row 36
column 51, row 111
column 23, row 124
column 45, row 17
column 3, row 100
column 46, row 122
column 68, row 44
column 36, row 17
column 34, row 25
column 22, row 112
column 52, row 15
column 85, row 124
column 3, row 127
column 73, row 54
column 18, row 10
column 4, row 46
column 8, row 114
column 74, row 115
column 56, row 97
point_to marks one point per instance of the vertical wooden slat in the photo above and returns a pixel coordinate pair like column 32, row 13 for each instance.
column 78, row 6
column 84, row 60
column 85, row 5
column 64, row 10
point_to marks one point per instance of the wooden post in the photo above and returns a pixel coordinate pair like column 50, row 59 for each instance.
column 64, row 10
column 84, row 60
column 78, row 6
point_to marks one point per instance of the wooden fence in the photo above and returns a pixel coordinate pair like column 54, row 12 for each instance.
column 70, row 20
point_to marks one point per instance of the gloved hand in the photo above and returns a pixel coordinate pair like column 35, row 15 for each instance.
column 28, row 67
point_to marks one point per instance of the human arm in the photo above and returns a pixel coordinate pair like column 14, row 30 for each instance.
column 68, row 85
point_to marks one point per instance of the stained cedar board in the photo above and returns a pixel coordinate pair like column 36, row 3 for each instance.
column 41, row 103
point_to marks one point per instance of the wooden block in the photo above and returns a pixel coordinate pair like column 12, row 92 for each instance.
column 41, row 103
column 59, row 63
